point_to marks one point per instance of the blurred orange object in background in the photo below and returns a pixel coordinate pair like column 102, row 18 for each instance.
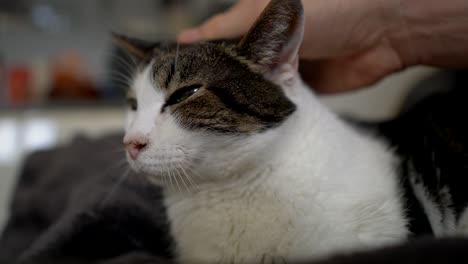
column 19, row 82
column 70, row 80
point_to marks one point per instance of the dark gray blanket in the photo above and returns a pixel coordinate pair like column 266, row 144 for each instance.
column 73, row 204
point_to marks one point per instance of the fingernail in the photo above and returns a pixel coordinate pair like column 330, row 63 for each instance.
column 190, row 35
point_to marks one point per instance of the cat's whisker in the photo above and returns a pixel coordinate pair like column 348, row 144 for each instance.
column 121, row 76
column 166, row 44
column 134, row 62
column 190, row 155
column 114, row 188
column 177, row 182
column 189, row 178
column 122, row 53
column 125, row 68
column 181, row 178
column 121, row 163
column 176, row 56
column 121, row 87
column 187, row 154
column 187, row 166
column 123, row 62
column 164, row 180
column 193, row 157
column 170, row 178
column 119, row 80
column 122, row 82
column 117, row 165
column 130, row 56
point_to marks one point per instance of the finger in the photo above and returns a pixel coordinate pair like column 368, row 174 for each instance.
column 222, row 26
column 326, row 76
column 189, row 36
column 336, row 76
column 351, row 72
column 226, row 25
column 231, row 24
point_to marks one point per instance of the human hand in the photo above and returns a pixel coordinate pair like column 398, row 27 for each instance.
column 344, row 45
column 352, row 44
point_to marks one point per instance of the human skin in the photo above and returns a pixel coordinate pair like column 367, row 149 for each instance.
column 349, row 45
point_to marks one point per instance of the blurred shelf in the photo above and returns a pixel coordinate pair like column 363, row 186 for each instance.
column 65, row 105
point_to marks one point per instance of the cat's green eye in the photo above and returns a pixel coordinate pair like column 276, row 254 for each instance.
column 132, row 103
column 182, row 94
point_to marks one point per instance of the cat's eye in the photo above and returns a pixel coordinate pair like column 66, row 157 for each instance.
column 182, row 94
column 132, row 104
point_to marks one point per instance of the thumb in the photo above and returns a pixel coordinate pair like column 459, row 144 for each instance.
column 231, row 24
column 216, row 27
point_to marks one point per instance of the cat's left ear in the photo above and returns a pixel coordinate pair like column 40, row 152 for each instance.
column 136, row 47
column 276, row 36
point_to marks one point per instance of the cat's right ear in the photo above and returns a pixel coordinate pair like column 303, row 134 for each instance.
column 275, row 37
column 136, row 47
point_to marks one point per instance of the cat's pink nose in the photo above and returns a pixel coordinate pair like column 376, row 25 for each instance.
column 134, row 148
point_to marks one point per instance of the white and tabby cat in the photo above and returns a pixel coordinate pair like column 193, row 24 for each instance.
column 254, row 168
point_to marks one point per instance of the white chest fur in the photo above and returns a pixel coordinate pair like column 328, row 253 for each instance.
column 327, row 187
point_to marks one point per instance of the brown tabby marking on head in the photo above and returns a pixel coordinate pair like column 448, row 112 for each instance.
column 232, row 98
column 234, row 94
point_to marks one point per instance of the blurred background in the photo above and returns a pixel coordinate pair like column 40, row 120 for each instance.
column 60, row 74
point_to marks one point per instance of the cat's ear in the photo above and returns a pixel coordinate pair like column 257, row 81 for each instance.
column 275, row 37
column 136, row 47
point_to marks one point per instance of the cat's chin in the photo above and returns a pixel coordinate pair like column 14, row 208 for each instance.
column 173, row 176
column 175, row 182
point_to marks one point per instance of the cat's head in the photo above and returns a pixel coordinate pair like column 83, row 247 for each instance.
column 193, row 106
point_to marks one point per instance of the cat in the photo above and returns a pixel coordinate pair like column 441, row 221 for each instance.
column 254, row 168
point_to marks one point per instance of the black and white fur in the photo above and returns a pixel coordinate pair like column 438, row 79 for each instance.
column 255, row 169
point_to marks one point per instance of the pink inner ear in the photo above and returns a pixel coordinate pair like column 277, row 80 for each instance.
column 295, row 63
column 284, row 75
column 290, row 52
